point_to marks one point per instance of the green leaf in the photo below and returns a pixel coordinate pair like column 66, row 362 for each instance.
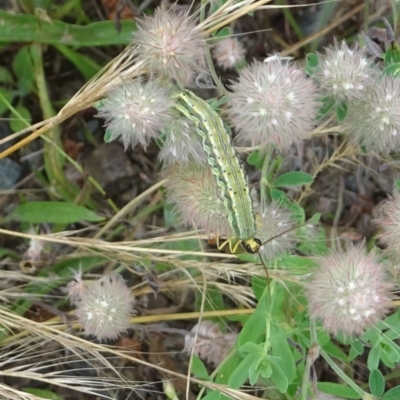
column 255, row 325
column 374, row 357
column 335, row 389
column 109, row 136
column 256, row 158
column 392, row 70
column 171, row 218
column 224, row 32
column 22, row 120
column 5, row 76
column 9, row 253
column 53, row 212
column 6, row 97
column 213, row 395
column 341, row 111
column 357, row 348
column 392, row 394
column 23, row 69
column 390, row 353
column 84, row 64
column 279, row 196
column 279, row 378
column 24, row 28
column 392, row 54
column 314, row 219
column 254, row 372
column 241, row 373
column 43, row 393
column 251, row 348
column 281, row 349
column 258, row 284
column 335, row 351
column 327, row 105
column 226, row 369
column 312, row 60
column 199, row 369
column 295, row 178
column 376, row 383
column 263, row 368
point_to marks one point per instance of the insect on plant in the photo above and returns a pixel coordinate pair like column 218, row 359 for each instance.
column 226, row 168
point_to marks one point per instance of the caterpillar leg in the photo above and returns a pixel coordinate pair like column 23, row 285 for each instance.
column 233, row 244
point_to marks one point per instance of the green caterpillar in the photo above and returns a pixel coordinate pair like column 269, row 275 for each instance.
column 225, row 166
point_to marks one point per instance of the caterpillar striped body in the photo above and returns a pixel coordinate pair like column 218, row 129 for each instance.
column 225, row 166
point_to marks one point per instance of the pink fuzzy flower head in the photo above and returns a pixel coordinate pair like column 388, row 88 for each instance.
column 228, row 53
column 373, row 121
column 196, row 195
column 348, row 291
column 182, row 144
column 170, row 45
column 273, row 103
column 389, row 223
column 211, row 344
column 343, row 73
column 275, row 222
column 103, row 307
column 137, row 111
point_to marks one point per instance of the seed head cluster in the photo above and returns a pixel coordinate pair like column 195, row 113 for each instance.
column 388, row 222
column 348, row 291
column 103, row 307
column 211, row 344
column 343, row 73
column 373, row 121
column 171, row 45
column 196, row 195
column 275, row 223
column 273, row 103
column 228, row 53
column 182, row 144
column 137, row 111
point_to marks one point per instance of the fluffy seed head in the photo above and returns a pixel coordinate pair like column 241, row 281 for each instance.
column 274, row 221
column 170, row 45
column 373, row 121
column 136, row 111
column 182, row 144
column 195, row 192
column 343, row 73
column 273, row 103
column 389, row 222
column 211, row 345
column 228, row 52
column 348, row 292
column 103, row 307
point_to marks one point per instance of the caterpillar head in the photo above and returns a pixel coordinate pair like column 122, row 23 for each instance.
column 251, row 245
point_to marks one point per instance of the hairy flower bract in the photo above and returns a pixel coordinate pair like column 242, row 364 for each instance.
column 182, row 144
column 373, row 121
column 228, row 52
column 211, row 344
column 196, row 195
column 273, row 103
column 348, row 291
column 389, row 223
column 103, row 307
column 170, row 45
column 344, row 73
column 136, row 111
column 274, row 226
